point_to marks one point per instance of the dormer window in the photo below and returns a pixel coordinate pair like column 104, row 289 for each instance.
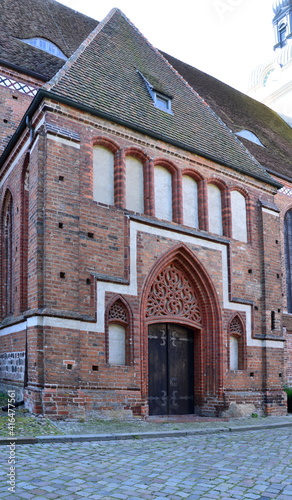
column 160, row 100
column 46, row 46
column 250, row 136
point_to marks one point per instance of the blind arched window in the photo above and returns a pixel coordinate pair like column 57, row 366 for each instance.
column 119, row 352
column 236, row 344
column 7, row 256
column 190, row 201
column 163, row 193
column 238, row 212
column 215, row 209
column 134, row 185
column 103, row 175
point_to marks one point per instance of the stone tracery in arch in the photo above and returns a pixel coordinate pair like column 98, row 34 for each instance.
column 172, row 294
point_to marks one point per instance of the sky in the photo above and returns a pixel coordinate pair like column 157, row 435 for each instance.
column 224, row 38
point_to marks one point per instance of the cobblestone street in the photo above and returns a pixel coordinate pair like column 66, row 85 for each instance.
column 252, row 465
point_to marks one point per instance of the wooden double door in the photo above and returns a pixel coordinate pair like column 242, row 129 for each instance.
column 171, row 369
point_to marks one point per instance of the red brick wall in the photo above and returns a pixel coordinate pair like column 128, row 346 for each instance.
column 74, row 241
column 14, row 102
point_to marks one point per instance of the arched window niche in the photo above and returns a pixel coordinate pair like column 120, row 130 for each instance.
column 238, row 216
column 190, row 201
column 24, row 237
column 118, row 328
column 117, row 344
column 103, row 175
column 7, row 255
column 236, row 344
column 215, row 209
column 163, row 193
column 134, row 184
column 234, row 350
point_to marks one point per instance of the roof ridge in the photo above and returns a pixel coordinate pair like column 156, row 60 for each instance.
column 69, row 63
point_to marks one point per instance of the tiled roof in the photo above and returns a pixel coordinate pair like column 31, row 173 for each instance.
column 104, row 74
column 241, row 112
column 22, row 19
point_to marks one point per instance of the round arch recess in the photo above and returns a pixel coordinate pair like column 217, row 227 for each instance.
column 185, row 295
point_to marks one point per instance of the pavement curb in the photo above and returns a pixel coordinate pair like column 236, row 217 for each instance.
column 70, row 438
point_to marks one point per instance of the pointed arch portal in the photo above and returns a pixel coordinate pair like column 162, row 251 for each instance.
column 182, row 336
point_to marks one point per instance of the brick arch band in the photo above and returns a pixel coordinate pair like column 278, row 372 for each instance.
column 179, row 290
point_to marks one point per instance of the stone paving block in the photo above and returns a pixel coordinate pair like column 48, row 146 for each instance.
column 49, row 489
column 120, row 496
column 287, row 490
column 170, row 468
column 265, row 498
column 24, row 495
column 39, row 497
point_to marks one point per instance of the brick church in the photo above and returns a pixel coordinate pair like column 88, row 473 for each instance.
column 146, row 226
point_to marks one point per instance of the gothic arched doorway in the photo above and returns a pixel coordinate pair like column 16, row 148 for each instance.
column 182, row 340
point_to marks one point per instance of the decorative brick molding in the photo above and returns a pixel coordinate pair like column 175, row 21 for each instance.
column 117, row 312
column 235, row 327
column 22, row 87
column 172, row 295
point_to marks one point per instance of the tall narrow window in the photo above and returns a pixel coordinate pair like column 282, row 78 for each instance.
column 238, row 211
column 233, row 353
column 288, row 257
column 236, row 345
column 24, row 238
column 118, row 334
column 117, row 344
column 163, row 193
column 190, row 201
column 134, row 185
column 7, row 268
column 215, row 209
column 103, row 175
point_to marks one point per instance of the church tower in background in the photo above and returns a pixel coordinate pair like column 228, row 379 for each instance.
column 271, row 81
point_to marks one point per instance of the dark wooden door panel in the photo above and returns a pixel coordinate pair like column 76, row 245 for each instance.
column 180, row 370
column 171, row 370
column 157, row 342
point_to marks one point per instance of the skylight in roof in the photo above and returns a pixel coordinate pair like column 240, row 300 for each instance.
column 46, row 46
column 250, row 136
